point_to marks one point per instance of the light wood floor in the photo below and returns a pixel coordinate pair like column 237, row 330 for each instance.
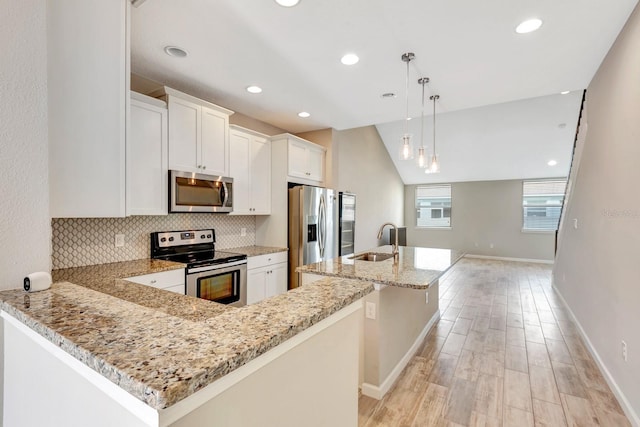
column 505, row 353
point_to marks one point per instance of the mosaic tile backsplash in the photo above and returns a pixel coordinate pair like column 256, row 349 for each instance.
column 87, row 241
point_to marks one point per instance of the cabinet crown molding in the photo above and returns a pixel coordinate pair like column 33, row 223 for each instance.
column 165, row 90
column 296, row 138
column 247, row 130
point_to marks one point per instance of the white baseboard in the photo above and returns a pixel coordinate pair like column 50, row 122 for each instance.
column 501, row 258
column 378, row 392
column 622, row 399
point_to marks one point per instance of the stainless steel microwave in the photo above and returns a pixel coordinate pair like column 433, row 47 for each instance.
column 197, row 192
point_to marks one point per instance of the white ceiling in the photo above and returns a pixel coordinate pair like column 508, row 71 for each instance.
column 468, row 48
column 513, row 140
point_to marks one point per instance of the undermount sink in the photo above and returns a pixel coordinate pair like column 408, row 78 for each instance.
column 371, row 256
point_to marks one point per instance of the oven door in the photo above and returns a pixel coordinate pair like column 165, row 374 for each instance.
column 224, row 283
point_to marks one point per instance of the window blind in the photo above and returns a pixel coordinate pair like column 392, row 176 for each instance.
column 542, row 204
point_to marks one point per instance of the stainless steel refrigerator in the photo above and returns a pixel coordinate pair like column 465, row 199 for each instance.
column 347, row 218
column 313, row 228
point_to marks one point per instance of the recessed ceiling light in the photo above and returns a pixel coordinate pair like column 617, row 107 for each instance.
column 175, row 51
column 304, row 114
column 552, row 163
column 254, row 89
column 388, row 95
column 350, row 59
column 287, row 3
column 528, row 26
column 564, row 92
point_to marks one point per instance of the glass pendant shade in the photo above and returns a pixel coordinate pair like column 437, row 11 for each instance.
column 406, row 147
column 435, row 165
column 421, row 159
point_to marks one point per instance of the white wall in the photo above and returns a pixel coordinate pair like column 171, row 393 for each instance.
column 25, row 231
column 484, row 213
column 597, row 267
column 364, row 167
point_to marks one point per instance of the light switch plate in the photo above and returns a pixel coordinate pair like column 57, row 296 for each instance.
column 370, row 310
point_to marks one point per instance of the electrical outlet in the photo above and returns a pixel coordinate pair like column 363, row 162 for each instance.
column 624, row 350
column 426, row 297
column 243, row 232
column 370, row 310
column 119, row 240
column 491, row 245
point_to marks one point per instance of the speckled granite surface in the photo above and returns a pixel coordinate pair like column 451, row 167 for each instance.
column 159, row 346
column 416, row 268
column 256, row 250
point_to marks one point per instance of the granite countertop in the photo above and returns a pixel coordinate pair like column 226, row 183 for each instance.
column 255, row 250
column 416, row 268
column 159, row 346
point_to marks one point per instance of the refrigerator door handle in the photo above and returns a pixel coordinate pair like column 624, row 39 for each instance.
column 322, row 225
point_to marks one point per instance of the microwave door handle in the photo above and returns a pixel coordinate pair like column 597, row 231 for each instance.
column 225, row 194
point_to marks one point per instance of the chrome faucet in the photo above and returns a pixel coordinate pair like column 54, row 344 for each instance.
column 394, row 245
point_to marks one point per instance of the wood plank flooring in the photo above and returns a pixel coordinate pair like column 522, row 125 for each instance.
column 504, row 353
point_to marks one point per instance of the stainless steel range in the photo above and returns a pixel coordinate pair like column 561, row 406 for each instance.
column 212, row 275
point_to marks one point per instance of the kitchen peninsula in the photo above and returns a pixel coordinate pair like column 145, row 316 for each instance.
column 98, row 350
column 401, row 310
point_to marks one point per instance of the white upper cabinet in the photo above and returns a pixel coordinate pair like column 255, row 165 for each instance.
column 250, row 168
column 88, row 98
column 147, row 152
column 198, row 134
column 215, row 142
column 305, row 160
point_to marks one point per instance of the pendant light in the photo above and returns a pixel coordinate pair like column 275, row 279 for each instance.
column 434, row 167
column 406, row 146
column 422, row 156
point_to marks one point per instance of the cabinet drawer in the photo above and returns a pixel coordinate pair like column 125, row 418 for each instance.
column 162, row 280
column 267, row 259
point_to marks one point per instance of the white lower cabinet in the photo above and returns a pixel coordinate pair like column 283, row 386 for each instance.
column 266, row 276
column 172, row 280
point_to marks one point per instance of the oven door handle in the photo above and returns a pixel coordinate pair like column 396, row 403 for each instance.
column 215, row 267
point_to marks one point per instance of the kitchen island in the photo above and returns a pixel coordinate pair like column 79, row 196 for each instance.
column 399, row 313
column 95, row 349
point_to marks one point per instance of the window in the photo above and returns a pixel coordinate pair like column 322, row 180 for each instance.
column 542, row 204
column 433, row 206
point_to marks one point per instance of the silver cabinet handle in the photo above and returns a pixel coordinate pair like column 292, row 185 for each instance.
column 153, row 281
column 204, row 167
column 199, row 166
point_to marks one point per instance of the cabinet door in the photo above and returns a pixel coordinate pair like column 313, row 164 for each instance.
column 315, row 164
column 239, row 149
column 88, row 98
column 260, row 175
column 215, row 142
column 297, row 160
column 277, row 280
column 184, row 135
column 147, row 160
column 256, row 284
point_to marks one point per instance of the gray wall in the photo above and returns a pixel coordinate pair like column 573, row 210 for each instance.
column 597, row 266
column 364, row 167
column 484, row 213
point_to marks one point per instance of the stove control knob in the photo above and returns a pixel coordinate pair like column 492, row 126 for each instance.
column 164, row 239
column 171, row 239
column 208, row 236
column 202, row 236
